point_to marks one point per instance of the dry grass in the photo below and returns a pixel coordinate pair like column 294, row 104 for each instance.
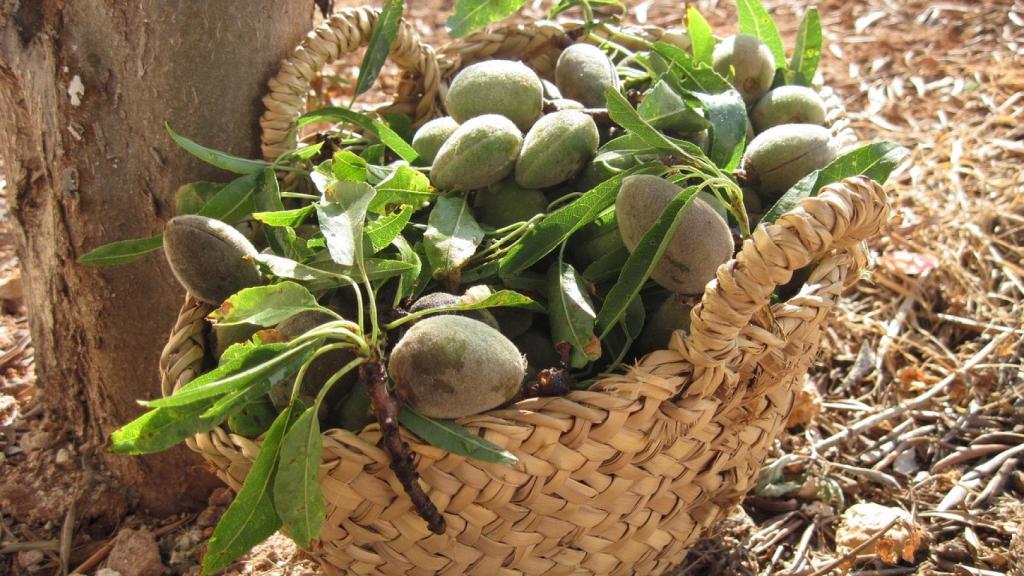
column 921, row 370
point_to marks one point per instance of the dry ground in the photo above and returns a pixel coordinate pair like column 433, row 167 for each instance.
column 920, row 377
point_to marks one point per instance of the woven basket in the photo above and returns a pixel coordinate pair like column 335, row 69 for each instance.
column 619, row 479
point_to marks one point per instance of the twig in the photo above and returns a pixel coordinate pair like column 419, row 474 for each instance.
column 979, row 571
column 874, row 475
column 913, row 404
column 600, row 115
column 385, row 407
column 908, row 444
column 972, row 479
column 886, row 443
column 1012, row 438
column 800, row 556
column 862, row 366
column 67, row 535
column 853, row 553
column 44, row 545
column 966, row 454
column 893, row 330
column 980, row 326
column 997, row 483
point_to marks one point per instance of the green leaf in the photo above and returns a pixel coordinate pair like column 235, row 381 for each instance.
column 374, row 153
column 404, row 186
column 499, row 299
column 620, row 339
column 528, row 281
column 571, row 313
column 326, row 275
column 626, row 145
column 162, row 428
column 623, row 114
column 306, row 152
column 481, row 272
column 642, row 261
column 217, row 158
column 557, row 226
column 387, row 136
column 876, row 161
column 376, row 269
column 702, row 41
column 633, row 320
column 384, row 32
column 451, row 238
column 728, row 117
column 383, row 231
column 289, row 269
column 687, row 73
column 606, row 267
column 272, row 362
column 587, row 5
column 407, row 280
column 267, row 198
column 722, row 104
column 235, row 201
column 454, row 438
column 347, row 166
column 341, row 220
column 755, row 21
column 297, row 497
column 285, row 218
column 264, row 305
column 251, row 518
column 663, row 109
column 122, row 251
column 807, row 52
column 190, row 198
column 473, row 15
column 400, row 123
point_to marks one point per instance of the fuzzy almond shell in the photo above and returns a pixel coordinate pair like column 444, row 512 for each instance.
column 431, row 136
column 506, row 203
column 452, row 366
column 752, row 62
column 503, row 87
column 780, row 156
column 208, row 257
column 788, row 105
column 673, row 314
column 481, row 152
column 700, row 244
column 557, row 147
column 583, row 72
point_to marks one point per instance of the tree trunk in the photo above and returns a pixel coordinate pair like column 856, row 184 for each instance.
column 85, row 89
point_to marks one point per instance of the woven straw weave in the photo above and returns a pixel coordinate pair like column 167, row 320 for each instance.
column 618, row 479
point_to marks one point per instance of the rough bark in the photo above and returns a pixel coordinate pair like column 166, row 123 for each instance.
column 85, row 89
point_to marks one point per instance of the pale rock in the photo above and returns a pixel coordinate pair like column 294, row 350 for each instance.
column 135, row 553
column 864, row 520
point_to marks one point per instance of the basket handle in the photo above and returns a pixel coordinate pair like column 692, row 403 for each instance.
column 840, row 216
column 342, row 33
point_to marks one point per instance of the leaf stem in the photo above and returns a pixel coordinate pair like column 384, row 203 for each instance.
column 335, row 377
column 297, row 386
column 300, row 195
